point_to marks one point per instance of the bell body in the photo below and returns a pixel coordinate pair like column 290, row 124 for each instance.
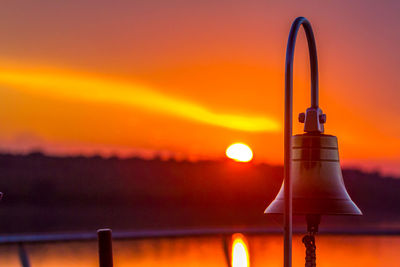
column 317, row 182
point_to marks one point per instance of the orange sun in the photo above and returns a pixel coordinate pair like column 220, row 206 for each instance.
column 239, row 152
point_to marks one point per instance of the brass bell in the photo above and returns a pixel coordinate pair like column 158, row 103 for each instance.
column 317, row 181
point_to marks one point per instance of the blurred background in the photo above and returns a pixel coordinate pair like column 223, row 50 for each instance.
column 118, row 114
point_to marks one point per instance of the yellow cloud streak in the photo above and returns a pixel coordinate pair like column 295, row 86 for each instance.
column 79, row 87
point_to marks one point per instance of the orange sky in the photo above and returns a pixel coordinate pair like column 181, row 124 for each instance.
column 189, row 78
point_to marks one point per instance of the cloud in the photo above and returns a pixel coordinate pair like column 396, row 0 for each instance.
column 95, row 89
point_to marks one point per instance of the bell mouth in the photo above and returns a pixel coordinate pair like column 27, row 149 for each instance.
column 316, row 206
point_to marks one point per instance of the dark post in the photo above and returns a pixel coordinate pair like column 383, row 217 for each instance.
column 105, row 247
column 23, row 255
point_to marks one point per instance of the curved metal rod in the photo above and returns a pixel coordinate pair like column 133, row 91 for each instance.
column 312, row 49
column 288, row 121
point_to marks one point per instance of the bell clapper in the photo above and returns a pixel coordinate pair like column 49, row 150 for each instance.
column 313, row 221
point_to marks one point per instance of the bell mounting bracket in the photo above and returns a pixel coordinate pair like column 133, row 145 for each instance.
column 313, row 120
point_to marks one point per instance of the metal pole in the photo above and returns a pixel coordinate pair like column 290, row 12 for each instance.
column 23, row 255
column 289, row 121
column 105, row 248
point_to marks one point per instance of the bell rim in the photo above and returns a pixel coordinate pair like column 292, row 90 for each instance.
column 348, row 207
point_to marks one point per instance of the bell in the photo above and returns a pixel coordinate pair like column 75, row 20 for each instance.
column 317, row 182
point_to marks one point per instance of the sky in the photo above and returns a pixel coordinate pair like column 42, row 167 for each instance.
column 185, row 79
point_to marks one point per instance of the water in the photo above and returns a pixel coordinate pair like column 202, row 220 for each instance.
column 265, row 250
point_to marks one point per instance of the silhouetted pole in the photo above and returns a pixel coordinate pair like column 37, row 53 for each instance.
column 289, row 121
column 23, row 255
column 105, row 247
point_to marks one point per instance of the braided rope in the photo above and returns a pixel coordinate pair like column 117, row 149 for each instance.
column 309, row 242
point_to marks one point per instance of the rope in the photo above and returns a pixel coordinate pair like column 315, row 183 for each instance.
column 309, row 242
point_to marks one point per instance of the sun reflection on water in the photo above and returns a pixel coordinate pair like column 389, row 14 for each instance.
column 240, row 252
column 266, row 251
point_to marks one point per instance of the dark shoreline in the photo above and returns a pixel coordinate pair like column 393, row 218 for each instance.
column 44, row 194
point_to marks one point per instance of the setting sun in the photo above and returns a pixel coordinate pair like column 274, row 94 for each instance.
column 239, row 152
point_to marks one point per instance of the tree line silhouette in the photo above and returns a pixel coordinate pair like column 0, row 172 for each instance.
column 49, row 194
